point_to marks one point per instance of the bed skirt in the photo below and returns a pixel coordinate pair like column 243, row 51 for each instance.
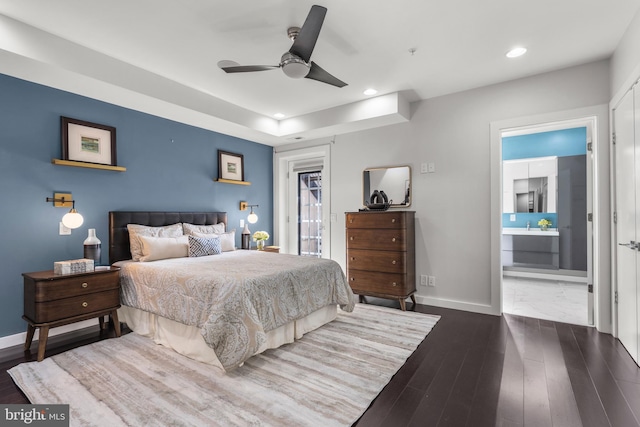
column 187, row 340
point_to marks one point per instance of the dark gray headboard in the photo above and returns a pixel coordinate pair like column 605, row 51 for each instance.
column 119, row 235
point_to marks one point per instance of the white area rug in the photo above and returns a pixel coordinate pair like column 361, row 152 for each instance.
column 328, row 378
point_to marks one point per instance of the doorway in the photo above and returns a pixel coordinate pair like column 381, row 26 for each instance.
column 546, row 235
column 310, row 213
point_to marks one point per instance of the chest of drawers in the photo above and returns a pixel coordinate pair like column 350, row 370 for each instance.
column 381, row 254
column 52, row 300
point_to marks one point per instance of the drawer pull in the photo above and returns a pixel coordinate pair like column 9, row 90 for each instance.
column 393, row 262
column 393, row 239
column 352, row 279
column 85, row 304
column 353, row 258
column 394, row 284
column 393, row 220
column 351, row 238
column 351, row 221
column 85, row 284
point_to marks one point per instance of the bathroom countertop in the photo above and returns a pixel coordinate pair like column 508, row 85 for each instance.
column 533, row 231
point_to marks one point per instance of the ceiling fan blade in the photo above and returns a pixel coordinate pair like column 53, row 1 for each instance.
column 248, row 68
column 317, row 73
column 309, row 32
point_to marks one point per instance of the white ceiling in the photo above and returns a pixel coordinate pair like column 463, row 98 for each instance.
column 460, row 44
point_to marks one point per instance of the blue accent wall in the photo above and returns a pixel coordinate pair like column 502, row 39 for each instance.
column 566, row 142
column 170, row 167
column 523, row 217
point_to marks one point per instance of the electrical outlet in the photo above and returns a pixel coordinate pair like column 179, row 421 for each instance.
column 432, row 281
column 423, row 280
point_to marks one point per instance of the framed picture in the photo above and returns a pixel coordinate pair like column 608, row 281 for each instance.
column 88, row 142
column 230, row 166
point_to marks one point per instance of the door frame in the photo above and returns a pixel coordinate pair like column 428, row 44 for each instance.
column 597, row 118
column 283, row 163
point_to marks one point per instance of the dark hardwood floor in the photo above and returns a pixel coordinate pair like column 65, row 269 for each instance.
column 475, row 370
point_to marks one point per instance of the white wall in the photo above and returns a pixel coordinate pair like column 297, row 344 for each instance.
column 625, row 62
column 452, row 205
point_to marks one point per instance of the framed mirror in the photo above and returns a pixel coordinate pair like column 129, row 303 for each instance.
column 395, row 181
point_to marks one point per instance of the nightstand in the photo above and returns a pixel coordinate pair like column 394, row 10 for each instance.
column 52, row 300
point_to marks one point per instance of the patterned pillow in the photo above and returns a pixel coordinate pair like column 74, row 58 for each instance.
column 137, row 230
column 202, row 246
column 204, row 229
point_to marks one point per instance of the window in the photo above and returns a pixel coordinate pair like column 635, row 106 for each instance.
column 310, row 213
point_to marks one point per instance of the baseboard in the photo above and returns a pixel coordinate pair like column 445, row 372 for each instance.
column 19, row 339
column 456, row 305
column 546, row 276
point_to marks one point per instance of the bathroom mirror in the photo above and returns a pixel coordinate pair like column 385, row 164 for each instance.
column 395, row 181
column 530, row 185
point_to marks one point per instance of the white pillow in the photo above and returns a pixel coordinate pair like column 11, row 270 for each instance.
column 137, row 230
column 155, row 248
column 204, row 229
column 227, row 240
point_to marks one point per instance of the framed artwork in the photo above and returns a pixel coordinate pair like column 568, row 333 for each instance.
column 88, row 142
column 230, row 166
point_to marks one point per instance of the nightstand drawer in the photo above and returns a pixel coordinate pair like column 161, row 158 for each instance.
column 385, row 261
column 365, row 282
column 71, row 286
column 50, row 311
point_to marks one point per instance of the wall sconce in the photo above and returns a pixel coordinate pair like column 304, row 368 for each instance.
column 252, row 218
column 71, row 219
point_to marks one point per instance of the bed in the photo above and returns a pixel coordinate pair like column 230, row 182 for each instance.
column 220, row 309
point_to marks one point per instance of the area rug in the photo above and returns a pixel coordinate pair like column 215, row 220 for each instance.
column 327, row 378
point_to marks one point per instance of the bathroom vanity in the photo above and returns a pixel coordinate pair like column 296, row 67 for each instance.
column 531, row 248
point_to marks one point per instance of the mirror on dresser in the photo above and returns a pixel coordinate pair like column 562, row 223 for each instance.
column 395, row 181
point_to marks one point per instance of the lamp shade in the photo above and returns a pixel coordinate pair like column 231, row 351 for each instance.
column 252, row 218
column 72, row 219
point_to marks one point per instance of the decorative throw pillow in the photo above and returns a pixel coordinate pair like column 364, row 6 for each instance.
column 204, row 229
column 202, row 246
column 155, row 248
column 227, row 240
column 137, row 230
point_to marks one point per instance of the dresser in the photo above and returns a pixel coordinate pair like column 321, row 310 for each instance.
column 381, row 259
column 52, row 300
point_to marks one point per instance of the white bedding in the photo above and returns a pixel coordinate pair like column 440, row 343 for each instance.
column 236, row 298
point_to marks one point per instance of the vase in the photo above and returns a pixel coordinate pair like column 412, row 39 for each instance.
column 246, row 237
column 544, row 227
column 260, row 244
column 92, row 247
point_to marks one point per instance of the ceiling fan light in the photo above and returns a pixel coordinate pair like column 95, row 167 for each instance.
column 295, row 70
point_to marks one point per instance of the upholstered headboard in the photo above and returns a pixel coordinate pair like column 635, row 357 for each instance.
column 119, row 235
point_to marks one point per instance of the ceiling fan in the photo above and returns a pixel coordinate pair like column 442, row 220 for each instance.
column 296, row 62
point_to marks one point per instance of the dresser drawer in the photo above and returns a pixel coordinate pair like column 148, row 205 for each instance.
column 371, row 283
column 389, row 240
column 385, row 261
column 65, row 287
column 49, row 311
column 377, row 220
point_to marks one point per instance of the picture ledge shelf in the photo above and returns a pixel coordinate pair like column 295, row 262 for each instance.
column 232, row 181
column 61, row 162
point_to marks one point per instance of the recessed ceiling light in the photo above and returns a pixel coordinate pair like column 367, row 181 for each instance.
column 515, row 52
column 278, row 116
column 370, row 92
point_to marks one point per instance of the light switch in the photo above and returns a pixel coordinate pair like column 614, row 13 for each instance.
column 512, row 217
column 242, row 223
column 64, row 231
column 431, row 167
column 424, row 168
column 334, row 217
